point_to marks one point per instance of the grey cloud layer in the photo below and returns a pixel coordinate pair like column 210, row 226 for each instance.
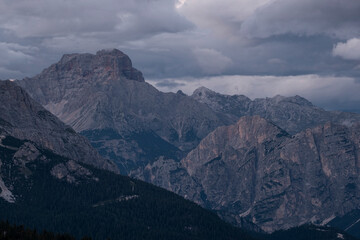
column 197, row 38
column 51, row 18
column 335, row 18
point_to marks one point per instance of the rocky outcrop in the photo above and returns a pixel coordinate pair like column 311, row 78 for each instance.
column 21, row 117
column 294, row 114
column 257, row 171
column 72, row 172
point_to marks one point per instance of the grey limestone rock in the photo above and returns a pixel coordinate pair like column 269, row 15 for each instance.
column 257, row 171
column 72, row 172
column 23, row 118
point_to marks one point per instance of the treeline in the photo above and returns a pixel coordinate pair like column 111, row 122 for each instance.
column 310, row 232
column 91, row 207
column 14, row 232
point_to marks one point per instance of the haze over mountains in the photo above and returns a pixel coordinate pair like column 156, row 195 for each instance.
column 293, row 163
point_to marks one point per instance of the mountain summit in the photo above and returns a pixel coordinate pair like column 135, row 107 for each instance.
column 103, row 97
column 111, row 64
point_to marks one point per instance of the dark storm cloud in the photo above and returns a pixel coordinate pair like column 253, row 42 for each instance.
column 57, row 27
column 335, row 18
column 171, row 40
column 51, row 18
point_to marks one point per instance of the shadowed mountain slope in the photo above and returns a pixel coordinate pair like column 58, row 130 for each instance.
column 23, row 118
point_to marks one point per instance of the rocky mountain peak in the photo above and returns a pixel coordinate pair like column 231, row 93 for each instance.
column 179, row 92
column 236, row 104
column 293, row 113
column 81, row 71
column 111, row 52
column 293, row 100
column 278, row 98
column 104, row 65
column 202, row 92
column 82, row 93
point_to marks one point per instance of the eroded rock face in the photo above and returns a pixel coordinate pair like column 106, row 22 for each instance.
column 26, row 153
column 21, row 117
column 255, row 170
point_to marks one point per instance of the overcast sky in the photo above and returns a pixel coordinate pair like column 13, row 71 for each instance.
column 258, row 48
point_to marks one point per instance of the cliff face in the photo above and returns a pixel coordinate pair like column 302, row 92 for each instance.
column 21, row 117
column 255, row 170
column 75, row 88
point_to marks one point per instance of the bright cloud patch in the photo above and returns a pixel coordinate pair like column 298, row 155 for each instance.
column 349, row 50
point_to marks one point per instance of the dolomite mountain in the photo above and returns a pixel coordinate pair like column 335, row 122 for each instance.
column 127, row 119
column 132, row 123
column 257, row 171
column 23, row 118
column 248, row 170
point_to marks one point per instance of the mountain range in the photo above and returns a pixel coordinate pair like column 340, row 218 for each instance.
column 104, row 98
column 46, row 182
column 271, row 163
column 49, row 191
